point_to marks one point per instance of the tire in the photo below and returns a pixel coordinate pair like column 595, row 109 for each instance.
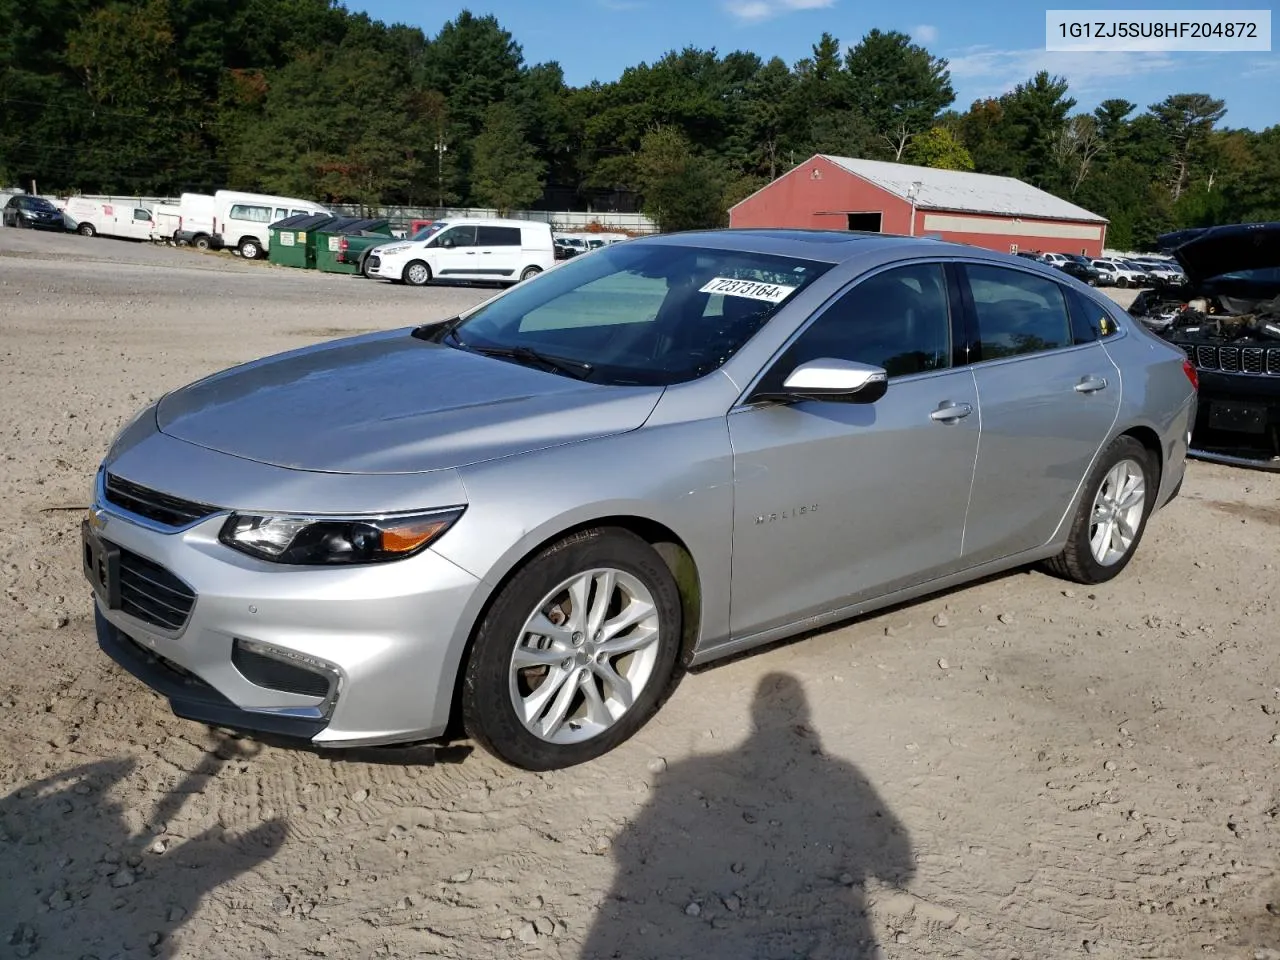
column 1122, row 282
column 492, row 682
column 1079, row 561
column 364, row 268
column 202, row 243
column 250, row 249
column 86, row 230
column 417, row 274
column 529, row 273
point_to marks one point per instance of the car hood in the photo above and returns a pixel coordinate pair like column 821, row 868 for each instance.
column 390, row 403
column 1241, row 259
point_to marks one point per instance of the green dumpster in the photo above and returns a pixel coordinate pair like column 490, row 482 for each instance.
column 291, row 242
column 340, row 245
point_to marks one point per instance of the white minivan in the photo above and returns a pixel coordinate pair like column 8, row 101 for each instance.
column 124, row 220
column 241, row 219
column 506, row 251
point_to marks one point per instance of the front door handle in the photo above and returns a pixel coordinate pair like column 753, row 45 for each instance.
column 1091, row 385
column 949, row 411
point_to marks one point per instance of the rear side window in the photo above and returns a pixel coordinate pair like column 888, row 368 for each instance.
column 245, row 211
column 1017, row 313
column 498, row 236
column 1089, row 321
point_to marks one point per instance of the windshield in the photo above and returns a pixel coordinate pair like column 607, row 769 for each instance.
column 651, row 314
column 426, row 233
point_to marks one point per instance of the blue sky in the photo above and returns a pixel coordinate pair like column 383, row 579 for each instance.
column 991, row 46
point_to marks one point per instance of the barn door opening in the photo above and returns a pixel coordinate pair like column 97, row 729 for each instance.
column 868, row 222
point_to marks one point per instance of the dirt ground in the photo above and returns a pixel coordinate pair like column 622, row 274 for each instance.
column 1016, row 770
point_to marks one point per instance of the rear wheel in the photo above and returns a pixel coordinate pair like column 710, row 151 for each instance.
column 529, row 273
column 201, row 243
column 250, row 249
column 575, row 653
column 1112, row 516
column 86, row 230
column 417, row 273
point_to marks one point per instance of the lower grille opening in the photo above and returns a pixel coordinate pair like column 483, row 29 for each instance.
column 264, row 671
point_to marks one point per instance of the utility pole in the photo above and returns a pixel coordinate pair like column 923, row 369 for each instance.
column 441, row 147
column 911, row 194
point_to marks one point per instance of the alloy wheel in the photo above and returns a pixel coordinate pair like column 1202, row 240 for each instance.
column 1117, row 512
column 584, row 656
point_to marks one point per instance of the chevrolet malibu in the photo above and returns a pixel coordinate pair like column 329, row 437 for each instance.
column 532, row 517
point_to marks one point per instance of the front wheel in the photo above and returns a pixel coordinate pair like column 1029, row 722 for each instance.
column 86, row 230
column 1122, row 282
column 250, row 249
column 1108, row 526
column 417, row 273
column 575, row 653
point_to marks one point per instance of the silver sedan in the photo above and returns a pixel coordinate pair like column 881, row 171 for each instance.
column 530, row 518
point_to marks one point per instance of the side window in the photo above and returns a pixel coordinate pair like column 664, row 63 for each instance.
column 1017, row 312
column 898, row 320
column 140, row 214
column 461, row 237
column 294, row 213
column 498, row 236
column 281, row 213
column 1090, row 321
column 244, row 211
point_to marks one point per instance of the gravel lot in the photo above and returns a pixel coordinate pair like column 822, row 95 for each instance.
column 1018, row 769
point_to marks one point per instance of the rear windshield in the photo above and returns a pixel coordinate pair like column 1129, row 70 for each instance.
column 641, row 313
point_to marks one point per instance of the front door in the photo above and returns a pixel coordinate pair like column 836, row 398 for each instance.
column 455, row 253
column 1050, row 397
column 836, row 502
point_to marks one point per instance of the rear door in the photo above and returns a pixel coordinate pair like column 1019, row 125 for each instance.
column 499, row 251
column 1049, row 396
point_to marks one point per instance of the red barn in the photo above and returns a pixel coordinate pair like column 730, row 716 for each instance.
column 999, row 213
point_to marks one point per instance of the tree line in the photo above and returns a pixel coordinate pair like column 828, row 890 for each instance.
column 303, row 97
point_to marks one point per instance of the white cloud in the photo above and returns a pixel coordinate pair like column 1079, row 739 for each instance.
column 925, row 33
column 753, row 11
column 988, row 72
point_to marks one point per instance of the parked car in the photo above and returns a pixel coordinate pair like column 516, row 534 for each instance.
column 1084, row 273
column 1030, row 255
column 1119, row 273
column 197, row 218
column 1164, row 270
column 1053, row 259
column 123, row 221
column 670, row 451
column 1226, row 317
column 240, row 220
column 505, row 251
column 358, row 249
column 35, row 213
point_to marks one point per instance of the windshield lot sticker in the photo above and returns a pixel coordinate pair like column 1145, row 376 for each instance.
column 770, row 292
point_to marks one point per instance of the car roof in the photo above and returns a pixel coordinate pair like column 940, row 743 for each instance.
column 826, row 246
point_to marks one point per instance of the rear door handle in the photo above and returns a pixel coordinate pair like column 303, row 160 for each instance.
column 949, row 411
column 1091, row 385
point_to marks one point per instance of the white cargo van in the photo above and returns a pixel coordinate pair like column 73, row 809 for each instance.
column 93, row 217
column 240, row 220
column 168, row 220
column 507, row 251
column 196, row 212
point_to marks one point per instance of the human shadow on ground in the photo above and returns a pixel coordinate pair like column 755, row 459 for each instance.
column 76, row 881
column 762, row 851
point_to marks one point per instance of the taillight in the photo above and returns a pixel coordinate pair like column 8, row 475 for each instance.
column 1189, row 369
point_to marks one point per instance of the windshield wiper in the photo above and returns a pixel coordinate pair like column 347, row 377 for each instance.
column 574, row 368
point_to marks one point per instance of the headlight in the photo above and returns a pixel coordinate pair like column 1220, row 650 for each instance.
column 394, row 248
column 323, row 541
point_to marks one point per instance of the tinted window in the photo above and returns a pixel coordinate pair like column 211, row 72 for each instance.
column 1089, row 320
column 498, row 236
column 898, row 320
column 460, row 235
column 1017, row 312
column 244, row 211
column 641, row 313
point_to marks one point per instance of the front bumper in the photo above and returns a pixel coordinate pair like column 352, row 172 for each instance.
column 1238, row 420
column 385, row 637
column 388, row 268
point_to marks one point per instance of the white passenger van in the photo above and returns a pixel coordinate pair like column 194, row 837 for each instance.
column 94, row 217
column 240, row 220
column 506, row 251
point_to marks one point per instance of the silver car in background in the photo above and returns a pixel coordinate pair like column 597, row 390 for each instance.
column 532, row 517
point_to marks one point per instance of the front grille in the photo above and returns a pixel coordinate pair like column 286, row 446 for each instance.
column 1259, row 361
column 275, row 674
column 152, row 594
column 161, row 507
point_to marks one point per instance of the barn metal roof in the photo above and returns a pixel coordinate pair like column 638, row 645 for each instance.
column 962, row 191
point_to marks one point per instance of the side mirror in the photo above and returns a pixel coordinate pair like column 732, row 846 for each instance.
column 447, row 243
column 840, row 380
